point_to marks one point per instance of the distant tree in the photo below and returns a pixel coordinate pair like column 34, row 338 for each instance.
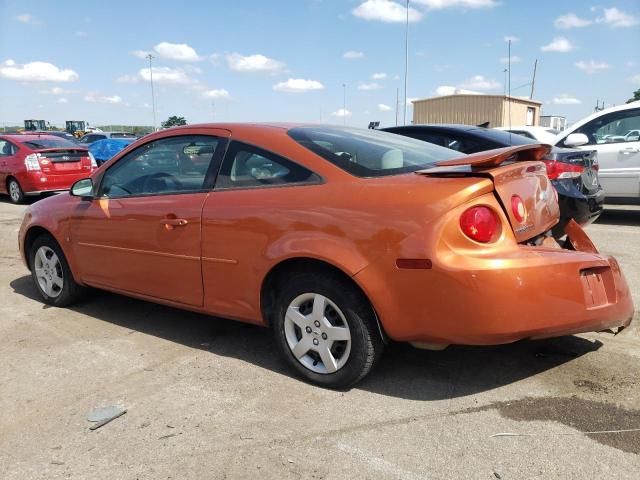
column 636, row 96
column 174, row 121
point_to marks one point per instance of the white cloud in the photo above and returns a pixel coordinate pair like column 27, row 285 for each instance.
column 385, row 11
column 216, row 94
column 177, row 51
column 617, row 18
column 141, row 53
column 410, row 101
column 254, row 63
column 512, row 38
column 478, row 82
column 636, row 79
column 95, row 98
column 571, row 20
column 81, row 34
column 565, row 99
column 368, row 86
column 298, row 85
column 352, row 55
column 514, row 59
column 28, row 19
column 384, row 108
column 592, row 66
column 164, row 75
column 36, row 72
column 450, row 90
column 558, row 44
column 442, row 4
column 341, row 112
column 55, row 91
column 379, row 76
column 63, row 100
column 128, row 79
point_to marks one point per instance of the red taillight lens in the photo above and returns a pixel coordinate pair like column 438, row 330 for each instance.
column 517, row 207
column 558, row 170
column 479, row 224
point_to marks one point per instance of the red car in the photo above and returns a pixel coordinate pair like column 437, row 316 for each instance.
column 35, row 164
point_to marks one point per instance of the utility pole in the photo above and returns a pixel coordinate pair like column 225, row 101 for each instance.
column 397, row 101
column 533, row 80
column 344, row 103
column 509, row 83
column 406, row 63
column 153, row 97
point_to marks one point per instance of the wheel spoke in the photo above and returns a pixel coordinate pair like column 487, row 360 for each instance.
column 319, row 306
column 53, row 260
column 302, row 347
column 57, row 281
column 337, row 334
column 39, row 272
column 42, row 257
column 296, row 317
column 48, row 289
column 328, row 359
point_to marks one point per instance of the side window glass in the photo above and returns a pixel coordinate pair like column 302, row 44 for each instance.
column 166, row 166
column 616, row 127
column 249, row 166
column 6, row 149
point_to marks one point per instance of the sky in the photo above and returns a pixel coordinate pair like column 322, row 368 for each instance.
column 299, row 60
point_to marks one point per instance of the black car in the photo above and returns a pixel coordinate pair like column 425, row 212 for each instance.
column 573, row 172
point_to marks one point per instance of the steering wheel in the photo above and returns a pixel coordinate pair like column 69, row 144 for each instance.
column 149, row 187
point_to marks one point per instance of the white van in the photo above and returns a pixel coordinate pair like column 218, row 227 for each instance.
column 615, row 134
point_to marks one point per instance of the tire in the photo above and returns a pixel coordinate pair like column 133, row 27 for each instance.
column 345, row 327
column 51, row 273
column 15, row 191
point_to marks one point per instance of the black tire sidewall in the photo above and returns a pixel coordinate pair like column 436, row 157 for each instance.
column 359, row 317
column 70, row 288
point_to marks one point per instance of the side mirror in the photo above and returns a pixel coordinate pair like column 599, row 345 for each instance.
column 576, row 140
column 83, row 189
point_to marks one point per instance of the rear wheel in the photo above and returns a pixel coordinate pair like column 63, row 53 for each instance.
column 51, row 273
column 326, row 329
column 15, row 191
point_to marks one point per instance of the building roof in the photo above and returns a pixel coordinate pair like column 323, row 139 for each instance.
column 481, row 95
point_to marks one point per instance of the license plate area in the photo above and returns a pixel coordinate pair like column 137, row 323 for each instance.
column 598, row 286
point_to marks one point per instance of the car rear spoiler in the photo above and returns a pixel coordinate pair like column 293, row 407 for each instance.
column 492, row 158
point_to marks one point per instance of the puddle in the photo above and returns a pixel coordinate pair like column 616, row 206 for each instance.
column 578, row 413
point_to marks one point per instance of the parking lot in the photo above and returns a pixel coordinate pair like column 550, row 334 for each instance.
column 211, row 398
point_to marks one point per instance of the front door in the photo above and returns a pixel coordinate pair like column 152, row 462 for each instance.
column 142, row 233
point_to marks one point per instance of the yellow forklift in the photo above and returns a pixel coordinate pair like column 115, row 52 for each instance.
column 76, row 128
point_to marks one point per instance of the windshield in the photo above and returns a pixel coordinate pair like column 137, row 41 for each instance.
column 48, row 142
column 370, row 153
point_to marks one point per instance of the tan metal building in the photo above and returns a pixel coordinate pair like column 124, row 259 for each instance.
column 477, row 109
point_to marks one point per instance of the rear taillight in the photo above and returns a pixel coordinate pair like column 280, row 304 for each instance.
column 517, row 207
column 94, row 164
column 31, row 162
column 479, row 224
column 558, row 170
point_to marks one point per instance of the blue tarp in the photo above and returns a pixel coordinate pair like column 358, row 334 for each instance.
column 103, row 150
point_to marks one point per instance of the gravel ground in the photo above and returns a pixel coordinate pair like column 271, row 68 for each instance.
column 210, row 398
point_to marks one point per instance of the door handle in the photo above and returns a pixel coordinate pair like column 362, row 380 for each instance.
column 627, row 151
column 171, row 223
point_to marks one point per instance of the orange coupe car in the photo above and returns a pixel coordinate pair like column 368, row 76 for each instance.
column 339, row 239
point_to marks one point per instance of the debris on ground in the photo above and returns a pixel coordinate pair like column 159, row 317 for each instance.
column 103, row 415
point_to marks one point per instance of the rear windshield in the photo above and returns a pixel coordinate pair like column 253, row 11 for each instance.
column 500, row 136
column 370, row 153
column 48, row 142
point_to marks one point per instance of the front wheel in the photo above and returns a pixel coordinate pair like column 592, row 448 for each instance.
column 51, row 273
column 15, row 191
column 326, row 329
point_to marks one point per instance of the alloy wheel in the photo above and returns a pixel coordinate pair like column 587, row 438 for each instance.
column 48, row 270
column 14, row 191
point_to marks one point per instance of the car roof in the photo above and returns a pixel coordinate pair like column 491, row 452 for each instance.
column 26, row 136
column 442, row 126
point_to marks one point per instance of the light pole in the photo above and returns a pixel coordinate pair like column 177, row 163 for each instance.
column 406, row 63
column 153, row 97
column 344, row 103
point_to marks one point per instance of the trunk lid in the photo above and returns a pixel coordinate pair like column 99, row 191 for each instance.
column 515, row 172
column 57, row 161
